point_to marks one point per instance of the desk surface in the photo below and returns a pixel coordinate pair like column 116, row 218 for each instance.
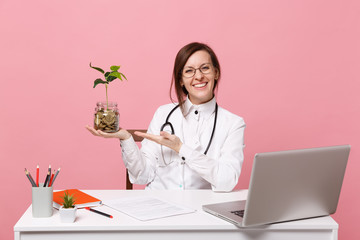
column 192, row 198
column 199, row 221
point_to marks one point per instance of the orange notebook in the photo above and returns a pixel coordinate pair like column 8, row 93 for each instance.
column 81, row 199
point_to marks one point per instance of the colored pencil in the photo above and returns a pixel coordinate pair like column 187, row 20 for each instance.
column 30, row 178
column 51, row 179
column 57, row 172
column 98, row 212
column 27, row 175
column 37, row 175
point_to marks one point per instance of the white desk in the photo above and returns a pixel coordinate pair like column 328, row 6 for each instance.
column 198, row 225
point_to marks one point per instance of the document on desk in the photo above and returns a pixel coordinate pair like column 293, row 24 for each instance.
column 147, row 208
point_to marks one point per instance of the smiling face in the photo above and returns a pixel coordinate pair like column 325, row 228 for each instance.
column 200, row 87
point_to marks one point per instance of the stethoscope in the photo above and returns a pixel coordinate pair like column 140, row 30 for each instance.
column 168, row 123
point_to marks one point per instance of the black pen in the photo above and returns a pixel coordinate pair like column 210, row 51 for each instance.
column 46, row 179
column 101, row 213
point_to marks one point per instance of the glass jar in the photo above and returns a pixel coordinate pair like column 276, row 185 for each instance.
column 106, row 117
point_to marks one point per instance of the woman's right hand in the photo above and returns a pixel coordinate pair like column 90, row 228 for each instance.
column 122, row 134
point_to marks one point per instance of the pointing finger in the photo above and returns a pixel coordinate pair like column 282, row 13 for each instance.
column 148, row 136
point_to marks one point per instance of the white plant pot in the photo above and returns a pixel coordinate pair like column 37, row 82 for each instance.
column 67, row 215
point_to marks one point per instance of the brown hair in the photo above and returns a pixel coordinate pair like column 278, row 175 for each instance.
column 180, row 61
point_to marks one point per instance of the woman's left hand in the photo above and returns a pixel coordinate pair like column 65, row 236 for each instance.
column 165, row 138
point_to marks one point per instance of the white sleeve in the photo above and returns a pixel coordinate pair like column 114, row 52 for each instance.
column 141, row 163
column 222, row 173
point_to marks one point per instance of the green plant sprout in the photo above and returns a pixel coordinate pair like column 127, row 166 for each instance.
column 68, row 200
column 109, row 77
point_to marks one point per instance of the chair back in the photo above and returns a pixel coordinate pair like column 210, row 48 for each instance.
column 129, row 185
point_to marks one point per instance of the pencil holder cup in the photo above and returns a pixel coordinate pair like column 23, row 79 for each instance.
column 42, row 201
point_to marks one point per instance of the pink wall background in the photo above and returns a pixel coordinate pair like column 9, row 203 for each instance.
column 290, row 68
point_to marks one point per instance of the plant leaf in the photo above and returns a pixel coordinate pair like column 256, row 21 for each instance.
column 111, row 78
column 114, row 68
column 123, row 76
column 96, row 68
column 99, row 81
column 116, row 75
column 68, row 200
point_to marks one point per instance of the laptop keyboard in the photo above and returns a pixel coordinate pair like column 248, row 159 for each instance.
column 239, row 213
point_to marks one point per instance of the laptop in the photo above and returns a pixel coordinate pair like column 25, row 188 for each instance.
column 288, row 185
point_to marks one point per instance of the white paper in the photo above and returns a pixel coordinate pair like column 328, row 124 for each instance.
column 147, row 208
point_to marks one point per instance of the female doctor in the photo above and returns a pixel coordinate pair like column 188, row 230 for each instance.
column 195, row 144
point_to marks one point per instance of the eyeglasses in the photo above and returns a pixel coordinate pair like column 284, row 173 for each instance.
column 189, row 72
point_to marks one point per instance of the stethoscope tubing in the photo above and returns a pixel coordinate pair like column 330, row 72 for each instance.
column 168, row 123
column 213, row 131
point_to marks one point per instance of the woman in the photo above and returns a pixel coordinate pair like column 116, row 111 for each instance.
column 201, row 144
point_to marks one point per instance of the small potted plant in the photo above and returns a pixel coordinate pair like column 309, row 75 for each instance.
column 68, row 208
column 106, row 113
